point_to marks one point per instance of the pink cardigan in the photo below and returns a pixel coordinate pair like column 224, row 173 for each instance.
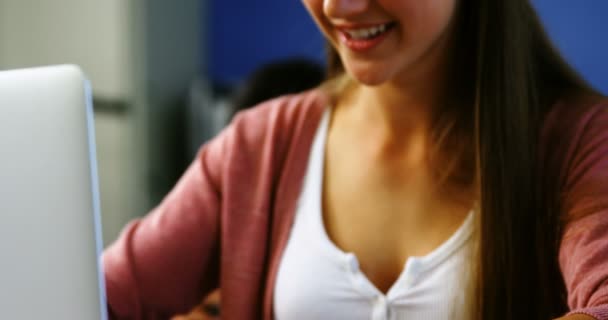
column 228, row 219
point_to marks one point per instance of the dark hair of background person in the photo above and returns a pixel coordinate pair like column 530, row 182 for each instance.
column 278, row 78
column 504, row 76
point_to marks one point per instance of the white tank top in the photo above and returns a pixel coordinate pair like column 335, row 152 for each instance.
column 317, row 280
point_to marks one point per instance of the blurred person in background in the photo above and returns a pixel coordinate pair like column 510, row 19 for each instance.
column 453, row 167
column 275, row 79
column 269, row 81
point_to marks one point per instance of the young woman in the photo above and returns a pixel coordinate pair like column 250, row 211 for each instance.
column 454, row 167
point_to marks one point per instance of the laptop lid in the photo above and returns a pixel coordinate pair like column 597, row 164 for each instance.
column 50, row 239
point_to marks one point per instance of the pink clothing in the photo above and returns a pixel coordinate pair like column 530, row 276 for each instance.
column 228, row 219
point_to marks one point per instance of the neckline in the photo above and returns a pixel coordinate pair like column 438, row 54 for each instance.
column 413, row 264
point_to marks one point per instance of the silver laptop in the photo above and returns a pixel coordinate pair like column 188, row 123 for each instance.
column 50, row 239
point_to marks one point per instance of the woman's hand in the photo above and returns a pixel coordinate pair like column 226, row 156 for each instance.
column 209, row 309
column 577, row 317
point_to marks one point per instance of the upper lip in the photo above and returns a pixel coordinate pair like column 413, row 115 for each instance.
column 356, row 26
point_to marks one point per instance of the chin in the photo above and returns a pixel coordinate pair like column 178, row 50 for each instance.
column 369, row 79
column 368, row 75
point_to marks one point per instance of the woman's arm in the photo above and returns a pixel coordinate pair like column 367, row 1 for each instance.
column 164, row 263
column 584, row 248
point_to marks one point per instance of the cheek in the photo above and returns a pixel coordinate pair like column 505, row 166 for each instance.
column 418, row 17
column 314, row 8
column 440, row 12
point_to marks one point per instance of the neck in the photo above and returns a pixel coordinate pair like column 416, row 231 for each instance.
column 410, row 101
column 395, row 110
column 394, row 116
column 390, row 122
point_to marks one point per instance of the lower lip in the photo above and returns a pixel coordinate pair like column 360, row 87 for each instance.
column 362, row 45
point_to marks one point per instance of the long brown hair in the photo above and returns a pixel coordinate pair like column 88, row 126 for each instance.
column 506, row 76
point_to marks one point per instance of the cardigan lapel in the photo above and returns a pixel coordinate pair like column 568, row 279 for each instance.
column 287, row 194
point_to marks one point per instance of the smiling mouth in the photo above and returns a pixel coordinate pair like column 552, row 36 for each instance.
column 369, row 32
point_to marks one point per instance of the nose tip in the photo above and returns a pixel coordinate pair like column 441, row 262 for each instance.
column 344, row 8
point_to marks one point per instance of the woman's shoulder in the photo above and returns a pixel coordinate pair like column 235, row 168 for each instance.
column 576, row 148
column 259, row 138
column 576, row 119
column 264, row 134
column 577, row 111
column 281, row 118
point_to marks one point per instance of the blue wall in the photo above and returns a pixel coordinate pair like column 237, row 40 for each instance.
column 244, row 34
column 580, row 31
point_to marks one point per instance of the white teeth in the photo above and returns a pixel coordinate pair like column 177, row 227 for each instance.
column 367, row 33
